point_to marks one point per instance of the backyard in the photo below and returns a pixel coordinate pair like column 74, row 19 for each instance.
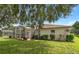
column 13, row 46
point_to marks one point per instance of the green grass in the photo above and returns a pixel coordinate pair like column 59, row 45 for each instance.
column 13, row 46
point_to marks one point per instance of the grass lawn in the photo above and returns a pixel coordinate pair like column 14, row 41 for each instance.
column 13, row 46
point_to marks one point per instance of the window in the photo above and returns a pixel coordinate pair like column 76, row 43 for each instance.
column 52, row 31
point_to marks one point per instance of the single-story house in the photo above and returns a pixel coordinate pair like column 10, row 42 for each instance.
column 58, row 31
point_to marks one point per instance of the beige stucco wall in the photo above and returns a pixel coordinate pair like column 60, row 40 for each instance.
column 45, row 32
column 58, row 32
column 61, row 32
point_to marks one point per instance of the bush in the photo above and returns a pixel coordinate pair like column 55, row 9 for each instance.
column 52, row 37
column 35, row 37
column 41, row 37
column 69, row 38
column 10, row 36
column 45, row 37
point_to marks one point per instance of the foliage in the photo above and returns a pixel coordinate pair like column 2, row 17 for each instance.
column 69, row 38
column 35, row 37
column 76, row 27
column 45, row 37
column 6, row 15
column 29, row 13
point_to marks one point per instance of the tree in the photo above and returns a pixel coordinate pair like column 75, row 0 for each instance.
column 56, row 11
column 47, row 12
column 76, row 27
column 7, row 16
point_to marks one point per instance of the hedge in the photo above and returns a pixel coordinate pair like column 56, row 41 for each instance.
column 69, row 38
column 45, row 37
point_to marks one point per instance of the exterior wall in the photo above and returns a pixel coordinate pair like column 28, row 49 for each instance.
column 22, row 32
column 60, row 33
column 45, row 32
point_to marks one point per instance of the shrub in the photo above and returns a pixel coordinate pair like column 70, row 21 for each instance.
column 52, row 37
column 45, row 37
column 69, row 38
column 41, row 37
column 10, row 36
column 35, row 37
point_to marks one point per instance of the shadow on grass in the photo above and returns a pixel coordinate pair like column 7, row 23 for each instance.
column 54, row 40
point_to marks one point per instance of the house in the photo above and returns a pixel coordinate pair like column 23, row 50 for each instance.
column 58, row 32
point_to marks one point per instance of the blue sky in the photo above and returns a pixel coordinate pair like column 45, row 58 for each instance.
column 71, row 19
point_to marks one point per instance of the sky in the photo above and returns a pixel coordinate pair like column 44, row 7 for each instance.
column 71, row 19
